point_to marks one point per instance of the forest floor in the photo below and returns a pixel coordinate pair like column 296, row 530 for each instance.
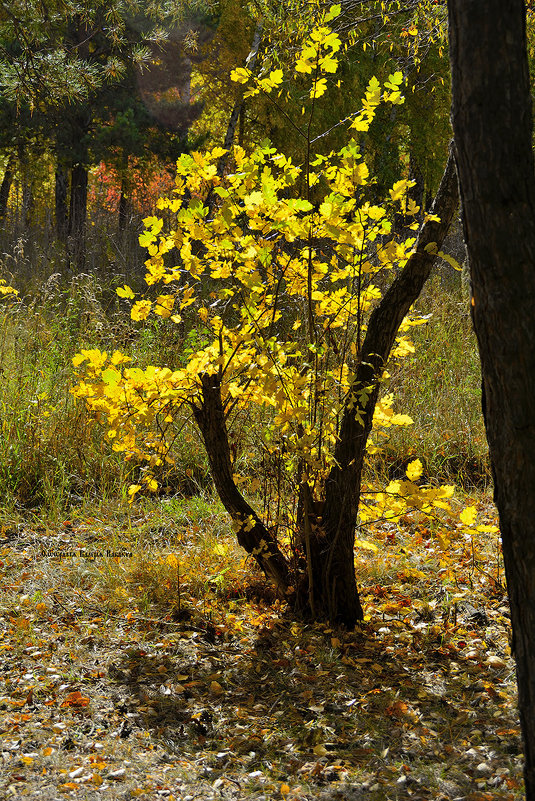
column 156, row 676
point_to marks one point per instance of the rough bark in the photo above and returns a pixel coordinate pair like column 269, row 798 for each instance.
column 492, row 121
column 252, row 534
column 342, row 490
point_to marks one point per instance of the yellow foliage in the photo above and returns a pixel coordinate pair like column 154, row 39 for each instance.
column 292, row 284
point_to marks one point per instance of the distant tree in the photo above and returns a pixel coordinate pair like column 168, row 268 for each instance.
column 493, row 127
column 77, row 67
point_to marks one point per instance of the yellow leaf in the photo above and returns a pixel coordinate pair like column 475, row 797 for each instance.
column 164, row 305
column 368, row 546
column 216, row 688
column 319, row 88
column 140, row 310
column 414, row 470
column 146, row 239
column 240, row 75
column 401, row 420
column 125, row 292
column 443, row 542
column 398, row 190
column 468, row 515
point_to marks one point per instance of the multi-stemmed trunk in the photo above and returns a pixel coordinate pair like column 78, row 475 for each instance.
column 328, row 585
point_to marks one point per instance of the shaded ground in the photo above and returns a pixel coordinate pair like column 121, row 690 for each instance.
column 226, row 697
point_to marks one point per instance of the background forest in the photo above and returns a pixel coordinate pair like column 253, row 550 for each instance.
column 156, row 654
column 81, row 174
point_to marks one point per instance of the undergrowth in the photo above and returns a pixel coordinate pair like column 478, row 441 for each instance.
column 54, row 456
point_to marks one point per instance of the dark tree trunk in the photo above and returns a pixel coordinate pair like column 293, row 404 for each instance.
column 251, row 532
column 78, row 215
column 123, row 206
column 417, row 192
column 27, row 201
column 492, row 123
column 342, row 490
column 5, row 187
column 237, row 114
column 250, row 62
column 27, row 186
column 61, row 192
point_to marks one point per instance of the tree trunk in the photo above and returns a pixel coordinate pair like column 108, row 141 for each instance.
column 5, row 187
column 342, row 489
column 61, row 191
column 78, row 215
column 492, row 121
column 27, row 201
column 26, row 180
column 123, row 206
column 251, row 532
column 250, row 62
column 236, row 114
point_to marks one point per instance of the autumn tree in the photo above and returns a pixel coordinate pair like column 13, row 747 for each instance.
column 293, row 322
column 493, row 129
column 376, row 39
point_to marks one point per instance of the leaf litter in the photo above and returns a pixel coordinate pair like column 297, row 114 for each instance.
column 210, row 689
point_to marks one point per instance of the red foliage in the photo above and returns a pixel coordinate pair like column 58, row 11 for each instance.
column 144, row 187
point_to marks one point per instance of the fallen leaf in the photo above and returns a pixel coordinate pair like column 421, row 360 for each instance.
column 75, row 699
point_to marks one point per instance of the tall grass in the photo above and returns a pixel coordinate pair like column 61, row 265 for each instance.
column 51, row 452
column 439, row 386
column 53, row 455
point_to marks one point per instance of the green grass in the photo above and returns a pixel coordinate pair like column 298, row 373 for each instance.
column 439, row 387
column 54, row 456
column 51, row 452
